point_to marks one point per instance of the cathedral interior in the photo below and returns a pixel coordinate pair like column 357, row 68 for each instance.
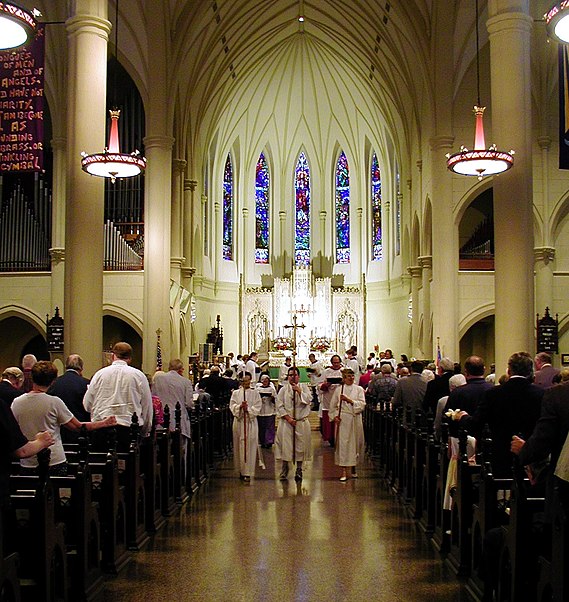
column 295, row 164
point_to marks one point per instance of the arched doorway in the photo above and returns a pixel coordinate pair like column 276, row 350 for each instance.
column 20, row 337
column 115, row 330
column 479, row 340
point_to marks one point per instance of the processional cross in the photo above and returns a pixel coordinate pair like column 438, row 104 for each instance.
column 295, row 326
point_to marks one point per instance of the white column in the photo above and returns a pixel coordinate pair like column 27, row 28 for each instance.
column 247, row 253
column 510, row 27
column 426, row 263
column 157, row 222
column 190, row 235
column 282, row 242
column 415, row 273
column 544, row 257
column 177, row 227
column 88, row 32
column 57, row 251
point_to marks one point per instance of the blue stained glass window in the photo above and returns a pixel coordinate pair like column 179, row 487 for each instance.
column 262, row 183
column 342, row 210
column 302, row 215
column 228, row 210
column 376, row 239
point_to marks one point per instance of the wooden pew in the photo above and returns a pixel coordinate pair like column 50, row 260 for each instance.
column 179, row 451
column 40, row 541
column 166, row 461
column 75, row 508
column 9, row 582
column 517, row 581
column 428, row 487
column 420, row 430
column 151, row 468
column 441, row 532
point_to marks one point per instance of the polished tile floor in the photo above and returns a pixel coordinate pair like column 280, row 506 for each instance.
column 321, row 540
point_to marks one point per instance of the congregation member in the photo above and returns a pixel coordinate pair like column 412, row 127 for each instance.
column 410, row 391
column 468, row 397
column 544, row 371
column 240, row 366
column 382, row 387
column 509, row 409
column 171, row 388
column 371, row 360
column 245, row 405
column 11, row 385
column 216, row 387
column 314, row 371
column 456, row 380
column 331, row 379
column 37, row 411
column 232, row 383
column 439, row 387
column 389, row 359
column 365, row 378
column 283, row 370
column 253, row 367
column 293, row 433
column 28, row 362
column 119, row 390
column 346, row 407
column 266, row 417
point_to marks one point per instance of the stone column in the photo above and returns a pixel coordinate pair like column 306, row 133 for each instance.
column 509, row 26
column 359, row 245
column 282, row 242
column 157, row 222
column 544, row 257
column 415, row 272
column 191, row 237
column 88, row 33
column 247, row 253
column 57, row 251
column 177, row 228
column 426, row 263
column 207, row 234
column 444, row 287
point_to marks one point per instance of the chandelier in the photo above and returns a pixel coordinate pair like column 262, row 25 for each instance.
column 480, row 161
column 111, row 163
column 17, row 26
column 557, row 22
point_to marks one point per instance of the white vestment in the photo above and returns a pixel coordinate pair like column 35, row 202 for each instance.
column 297, row 407
column 350, row 445
column 245, row 429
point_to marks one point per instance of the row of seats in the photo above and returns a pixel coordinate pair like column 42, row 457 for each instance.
column 493, row 532
column 63, row 534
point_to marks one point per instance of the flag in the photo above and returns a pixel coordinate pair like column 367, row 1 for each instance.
column 158, row 353
column 563, row 107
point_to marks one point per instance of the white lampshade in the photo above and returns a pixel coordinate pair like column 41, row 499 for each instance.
column 17, row 26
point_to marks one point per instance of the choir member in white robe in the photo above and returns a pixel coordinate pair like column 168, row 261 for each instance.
column 266, row 417
column 293, row 408
column 346, row 407
column 245, row 405
column 332, row 379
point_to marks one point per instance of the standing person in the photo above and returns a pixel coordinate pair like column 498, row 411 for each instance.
column 120, row 390
column 71, row 388
column 28, row 362
column 314, row 372
column 172, row 387
column 252, row 367
column 382, row 387
column 545, row 372
column 283, row 370
column 266, row 417
column 293, row 434
column 332, row 378
column 388, row 359
column 410, row 391
column 346, row 407
column 37, row 411
column 11, row 384
column 245, row 405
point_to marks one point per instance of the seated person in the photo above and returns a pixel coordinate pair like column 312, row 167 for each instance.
column 37, row 411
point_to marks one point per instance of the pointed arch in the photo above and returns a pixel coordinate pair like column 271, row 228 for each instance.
column 228, row 198
column 342, row 208
column 262, row 209
column 302, row 211
column 375, row 195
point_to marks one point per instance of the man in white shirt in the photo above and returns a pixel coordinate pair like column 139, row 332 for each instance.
column 120, row 390
column 253, row 368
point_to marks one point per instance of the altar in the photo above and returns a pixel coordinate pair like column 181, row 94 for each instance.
column 332, row 317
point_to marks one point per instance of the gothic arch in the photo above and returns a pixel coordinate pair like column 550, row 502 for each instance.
column 19, row 311
column 134, row 321
column 473, row 316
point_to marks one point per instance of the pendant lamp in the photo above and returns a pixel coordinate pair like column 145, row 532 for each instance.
column 557, row 22
column 17, row 26
column 111, row 163
column 481, row 161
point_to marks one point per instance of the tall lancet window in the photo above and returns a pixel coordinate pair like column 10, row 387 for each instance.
column 398, row 211
column 228, row 210
column 376, row 238
column 262, row 184
column 302, row 215
column 342, row 210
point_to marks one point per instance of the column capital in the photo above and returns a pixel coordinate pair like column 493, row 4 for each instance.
column 188, row 272
column 386, row 205
column 160, row 142
column 323, row 214
column 245, row 212
column 441, row 142
column 426, row 262
column 282, row 215
column 419, row 164
column 545, row 254
column 415, row 271
column 360, row 212
column 58, row 143
column 507, row 20
column 57, row 254
column 190, row 185
column 544, row 142
column 217, row 206
column 88, row 23
column 178, row 165
column 204, row 199
column 176, row 262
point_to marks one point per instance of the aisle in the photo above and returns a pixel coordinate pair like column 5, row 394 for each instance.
column 269, row 540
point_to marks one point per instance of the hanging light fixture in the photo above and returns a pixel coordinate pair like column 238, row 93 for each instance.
column 17, row 26
column 557, row 22
column 481, row 161
column 111, row 163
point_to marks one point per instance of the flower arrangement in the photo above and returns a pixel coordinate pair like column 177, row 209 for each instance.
column 320, row 344
column 282, row 344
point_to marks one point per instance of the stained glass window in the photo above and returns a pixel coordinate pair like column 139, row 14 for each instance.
column 262, row 183
column 302, row 215
column 342, row 210
column 376, row 239
column 228, row 210
column 398, row 211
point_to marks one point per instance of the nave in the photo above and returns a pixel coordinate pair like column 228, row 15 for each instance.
column 272, row 540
